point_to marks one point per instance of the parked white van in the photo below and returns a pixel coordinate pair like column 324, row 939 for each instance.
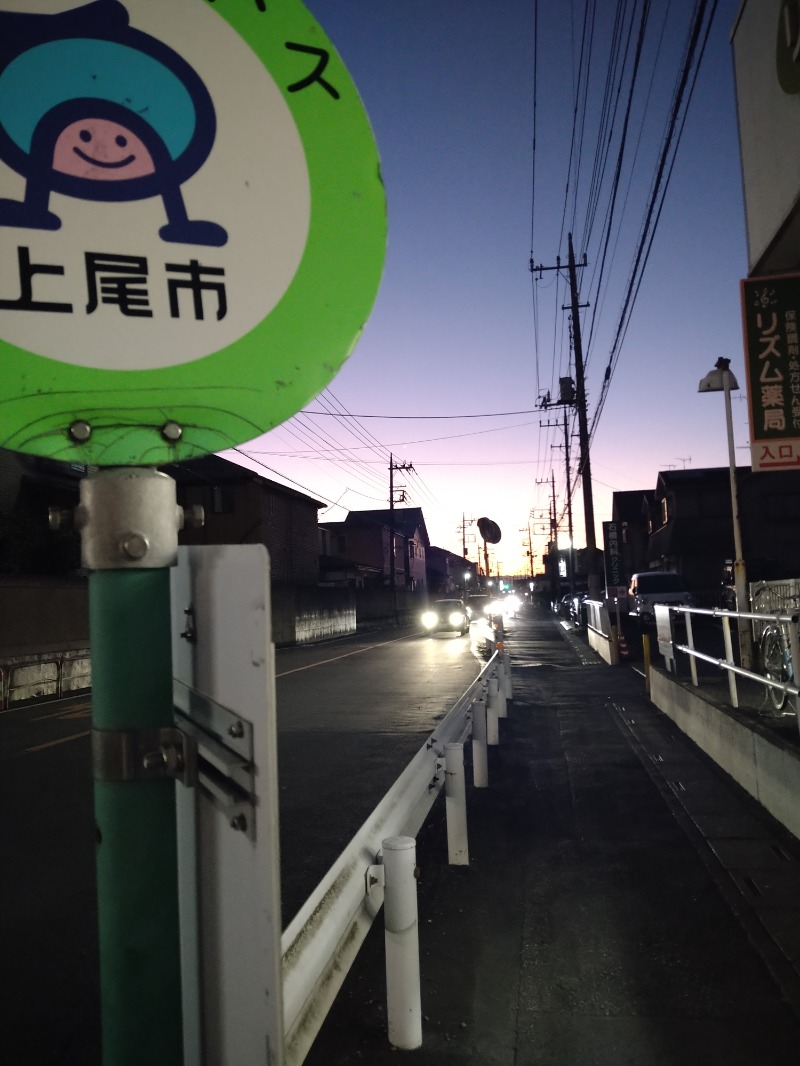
column 652, row 587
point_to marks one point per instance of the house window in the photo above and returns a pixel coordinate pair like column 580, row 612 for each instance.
column 664, row 511
column 221, row 500
column 411, row 549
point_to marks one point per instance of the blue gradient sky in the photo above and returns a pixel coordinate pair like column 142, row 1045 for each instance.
column 449, row 89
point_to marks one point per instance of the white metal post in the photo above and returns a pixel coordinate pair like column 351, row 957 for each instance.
column 455, row 796
column 492, row 724
column 739, row 568
column 794, row 651
column 480, row 760
column 726, row 633
column 690, row 641
column 403, row 996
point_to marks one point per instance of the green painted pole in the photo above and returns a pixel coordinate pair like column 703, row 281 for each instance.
column 137, row 879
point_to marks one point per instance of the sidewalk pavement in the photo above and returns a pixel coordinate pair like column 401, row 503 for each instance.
column 625, row 903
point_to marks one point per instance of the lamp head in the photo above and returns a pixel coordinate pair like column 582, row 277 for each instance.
column 714, row 381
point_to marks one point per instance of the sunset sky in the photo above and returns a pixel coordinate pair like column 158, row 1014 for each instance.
column 464, row 340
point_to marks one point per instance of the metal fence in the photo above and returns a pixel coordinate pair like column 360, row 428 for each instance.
column 777, row 637
column 321, row 943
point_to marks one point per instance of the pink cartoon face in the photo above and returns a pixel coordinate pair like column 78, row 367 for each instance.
column 101, row 150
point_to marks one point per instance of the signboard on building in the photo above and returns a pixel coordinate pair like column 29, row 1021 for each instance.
column 766, row 58
column 771, row 317
column 192, row 224
column 616, row 578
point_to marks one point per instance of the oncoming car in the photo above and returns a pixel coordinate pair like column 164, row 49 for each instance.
column 446, row 616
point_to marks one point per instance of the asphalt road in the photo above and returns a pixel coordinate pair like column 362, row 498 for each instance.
column 351, row 713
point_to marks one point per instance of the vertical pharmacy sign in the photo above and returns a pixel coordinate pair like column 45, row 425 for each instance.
column 192, row 223
column 771, row 315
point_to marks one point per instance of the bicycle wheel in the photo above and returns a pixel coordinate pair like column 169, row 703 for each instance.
column 773, row 663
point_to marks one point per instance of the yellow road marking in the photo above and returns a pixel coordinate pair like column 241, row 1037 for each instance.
column 55, row 743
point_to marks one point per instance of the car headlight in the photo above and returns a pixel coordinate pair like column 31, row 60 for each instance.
column 456, row 618
column 429, row 619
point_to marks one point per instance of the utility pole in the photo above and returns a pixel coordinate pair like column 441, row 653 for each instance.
column 530, row 548
column 567, row 459
column 462, row 529
column 580, row 403
column 583, row 427
column 555, row 576
column 392, row 567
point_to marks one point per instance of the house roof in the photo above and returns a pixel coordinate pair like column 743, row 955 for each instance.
column 214, row 470
column 407, row 520
column 629, row 506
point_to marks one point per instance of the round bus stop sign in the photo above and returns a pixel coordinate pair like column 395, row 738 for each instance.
column 192, row 224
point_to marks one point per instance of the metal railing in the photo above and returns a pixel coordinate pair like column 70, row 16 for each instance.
column 321, row 943
column 788, row 626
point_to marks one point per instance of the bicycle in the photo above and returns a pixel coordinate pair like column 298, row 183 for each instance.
column 776, row 661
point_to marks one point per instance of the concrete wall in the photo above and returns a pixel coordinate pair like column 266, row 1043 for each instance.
column 602, row 636
column 53, row 674
column 306, row 615
column 758, row 761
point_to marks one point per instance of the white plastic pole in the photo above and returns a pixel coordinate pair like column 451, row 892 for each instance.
column 492, row 725
column 403, row 997
column 509, row 682
column 455, row 797
column 480, row 758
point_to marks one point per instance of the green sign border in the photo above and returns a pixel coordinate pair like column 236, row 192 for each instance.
column 272, row 372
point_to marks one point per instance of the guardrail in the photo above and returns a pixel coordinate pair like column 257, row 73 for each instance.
column 321, row 943
column 779, row 679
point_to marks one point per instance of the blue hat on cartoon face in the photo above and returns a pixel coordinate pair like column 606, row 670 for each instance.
column 92, row 108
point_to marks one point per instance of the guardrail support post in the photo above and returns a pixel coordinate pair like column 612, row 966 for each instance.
column 509, row 681
column 455, row 799
column 480, row 760
column 403, row 997
column 492, row 724
column 502, row 709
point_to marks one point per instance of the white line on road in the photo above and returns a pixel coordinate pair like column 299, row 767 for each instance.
column 324, row 662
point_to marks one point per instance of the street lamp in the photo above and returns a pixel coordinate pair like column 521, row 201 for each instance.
column 467, row 576
column 721, row 379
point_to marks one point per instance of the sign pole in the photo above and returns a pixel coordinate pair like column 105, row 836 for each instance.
column 129, row 521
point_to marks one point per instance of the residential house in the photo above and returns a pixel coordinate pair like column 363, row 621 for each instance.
column 446, row 570
column 691, row 524
column 29, row 486
column 242, row 507
column 631, row 510
column 337, row 569
column 390, row 542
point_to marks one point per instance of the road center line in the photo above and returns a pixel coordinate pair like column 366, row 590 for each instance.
column 55, row 743
column 336, row 658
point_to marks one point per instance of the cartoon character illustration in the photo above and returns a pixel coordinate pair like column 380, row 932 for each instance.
column 94, row 109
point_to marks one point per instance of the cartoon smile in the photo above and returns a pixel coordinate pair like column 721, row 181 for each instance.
column 95, row 109
column 102, row 150
column 121, row 142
